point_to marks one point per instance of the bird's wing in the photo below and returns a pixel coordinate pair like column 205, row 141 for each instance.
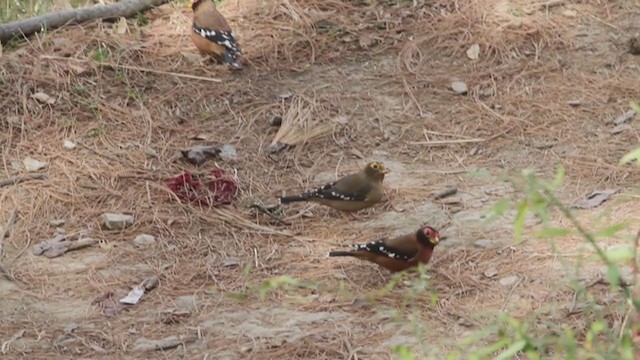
column 349, row 188
column 383, row 248
column 220, row 37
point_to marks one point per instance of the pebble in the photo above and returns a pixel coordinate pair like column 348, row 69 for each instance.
column 508, row 280
column 113, row 221
column 228, row 152
column 491, row 272
column 144, row 240
column 485, row 244
column 459, row 87
column 32, row 164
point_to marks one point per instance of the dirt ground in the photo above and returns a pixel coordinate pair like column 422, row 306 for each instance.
column 545, row 89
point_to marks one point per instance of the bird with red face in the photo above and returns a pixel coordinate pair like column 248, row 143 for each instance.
column 397, row 254
column 212, row 35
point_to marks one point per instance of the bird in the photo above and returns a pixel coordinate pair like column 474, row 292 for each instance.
column 397, row 254
column 212, row 35
column 350, row 193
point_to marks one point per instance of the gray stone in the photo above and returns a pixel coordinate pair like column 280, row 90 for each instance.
column 57, row 222
column 508, row 280
column 112, row 221
column 459, row 87
column 228, row 152
column 491, row 272
column 32, row 164
column 485, row 244
column 144, row 240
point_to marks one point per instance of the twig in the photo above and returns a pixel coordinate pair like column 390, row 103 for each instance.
column 3, row 234
column 634, row 281
column 22, row 178
column 547, row 5
column 506, row 299
column 137, row 68
column 446, row 142
column 553, row 200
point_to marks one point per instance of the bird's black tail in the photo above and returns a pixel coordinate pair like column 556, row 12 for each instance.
column 290, row 199
column 341, row 253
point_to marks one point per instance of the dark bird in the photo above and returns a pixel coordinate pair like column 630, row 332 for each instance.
column 399, row 253
column 212, row 35
column 353, row 192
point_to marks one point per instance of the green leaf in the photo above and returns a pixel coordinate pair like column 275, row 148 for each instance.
column 557, row 181
column 497, row 210
column 277, row 283
column 521, row 216
column 551, row 232
column 633, row 156
column 403, row 352
column 512, row 350
column 634, row 105
column 236, row 295
column 620, row 254
column 454, row 355
column 610, row 231
column 613, row 275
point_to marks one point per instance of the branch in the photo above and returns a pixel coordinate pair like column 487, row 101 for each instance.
column 21, row 178
column 5, row 230
column 124, row 8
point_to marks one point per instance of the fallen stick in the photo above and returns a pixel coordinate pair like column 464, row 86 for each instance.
column 3, row 234
column 22, row 178
column 24, row 28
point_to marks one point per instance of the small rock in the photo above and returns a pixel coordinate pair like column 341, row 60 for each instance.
column 56, row 223
column 473, row 51
column 508, row 280
column 624, row 117
column 491, row 272
column 459, row 87
column 620, row 128
column 70, row 328
column 634, row 46
column 440, row 194
column 186, row 303
column 16, row 165
column 340, row 276
column 68, row 144
column 276, row 121
column 44, row 98
column 543, row 144
column 230, row 262
column 150, row 283
column 112, row 221
column 32, row 164
column 464, row 322
column 144, row 240
column 574, row 103
column 485, row 244
column 150, row 152
column 228, row 152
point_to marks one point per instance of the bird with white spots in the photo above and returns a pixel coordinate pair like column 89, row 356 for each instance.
column 397, row 254
column 351, row 193
column 212, row 35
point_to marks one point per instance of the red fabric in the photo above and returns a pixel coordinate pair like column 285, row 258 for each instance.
column 213, row 189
